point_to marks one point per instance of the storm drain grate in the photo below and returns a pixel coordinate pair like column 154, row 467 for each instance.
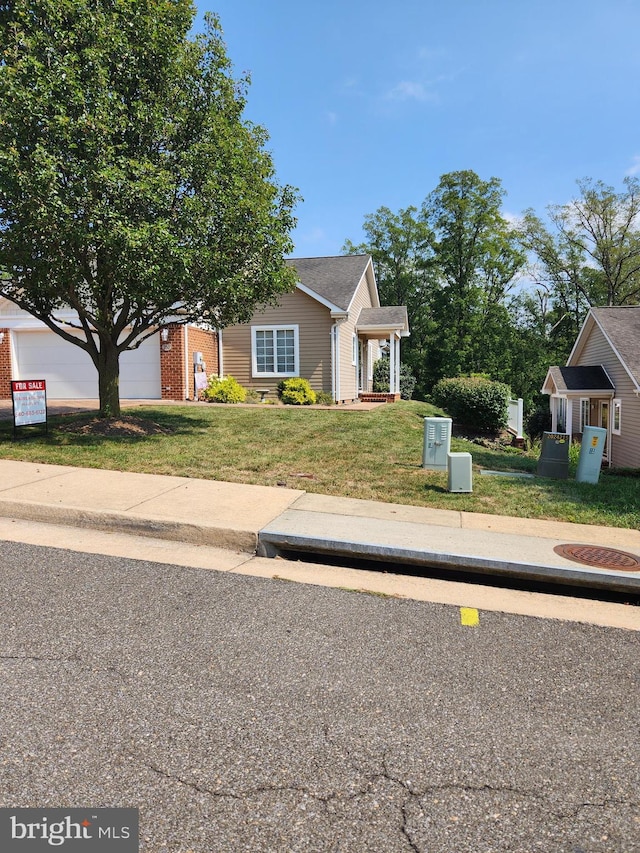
column 601, row 558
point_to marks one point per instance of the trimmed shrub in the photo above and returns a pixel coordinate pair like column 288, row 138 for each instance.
column 296, row 392
column 381, row 379
column 227, row 390
column 474, row 402
column 324, row 398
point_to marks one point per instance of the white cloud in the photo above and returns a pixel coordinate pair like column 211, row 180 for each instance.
column 411, row 90
column 514, row 219
column 634, row 169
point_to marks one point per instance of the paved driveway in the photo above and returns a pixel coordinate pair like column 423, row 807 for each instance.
column 244, row 714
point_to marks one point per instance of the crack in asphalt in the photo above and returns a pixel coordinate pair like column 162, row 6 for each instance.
column 39, row 658
column 411, row 794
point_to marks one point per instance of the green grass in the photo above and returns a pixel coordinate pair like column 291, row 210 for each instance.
column 374, row 455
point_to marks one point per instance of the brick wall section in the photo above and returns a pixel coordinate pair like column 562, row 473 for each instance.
column 206, row 343
column 174, row 362
column 5, row 366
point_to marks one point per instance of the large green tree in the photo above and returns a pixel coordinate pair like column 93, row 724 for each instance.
column 132, row 189
column 453, row 263
column 400, row 246
column 588, row 254
column 478, row 257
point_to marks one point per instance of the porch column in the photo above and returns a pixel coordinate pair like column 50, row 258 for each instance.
column 397, row 343
column 569, row 424
column 392, row 365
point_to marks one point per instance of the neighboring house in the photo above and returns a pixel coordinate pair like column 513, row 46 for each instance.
column 161, row 368
column 600, row 385
column 330, row 330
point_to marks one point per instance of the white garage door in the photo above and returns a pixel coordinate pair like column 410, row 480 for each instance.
column 70, row 373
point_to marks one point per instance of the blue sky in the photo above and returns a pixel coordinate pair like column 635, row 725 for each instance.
column 368, row 103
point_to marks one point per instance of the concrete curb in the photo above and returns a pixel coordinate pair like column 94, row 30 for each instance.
column 158, row 528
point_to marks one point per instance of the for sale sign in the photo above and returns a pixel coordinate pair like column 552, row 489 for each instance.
column 29, row 402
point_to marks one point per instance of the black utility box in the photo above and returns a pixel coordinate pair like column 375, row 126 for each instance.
column 554, row 457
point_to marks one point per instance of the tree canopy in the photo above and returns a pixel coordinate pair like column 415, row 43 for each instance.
column 506, row 300
column 590, row 256
column 452, row 263
column 132, row 189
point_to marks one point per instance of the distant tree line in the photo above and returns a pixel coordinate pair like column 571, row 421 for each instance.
column 488, row 296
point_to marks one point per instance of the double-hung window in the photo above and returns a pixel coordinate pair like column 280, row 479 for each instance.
column 584, row 412
column 616, row 425
column 275, row 350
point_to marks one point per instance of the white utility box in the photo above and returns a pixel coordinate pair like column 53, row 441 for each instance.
column 460, row 474
column 437, row 443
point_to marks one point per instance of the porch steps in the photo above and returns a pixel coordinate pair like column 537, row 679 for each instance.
column 371, row 397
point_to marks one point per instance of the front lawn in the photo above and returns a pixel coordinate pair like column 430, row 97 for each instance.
column 376, row 455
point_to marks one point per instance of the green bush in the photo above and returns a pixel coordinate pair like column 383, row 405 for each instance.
column 474, row 401
column 538, row 421
column 381, row 379
column 227, row 390
column 296, row 392
column 324, row 398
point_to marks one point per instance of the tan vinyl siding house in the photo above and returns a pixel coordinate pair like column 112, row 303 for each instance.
column 297, row 311
column 600, row 385
column 316, row 332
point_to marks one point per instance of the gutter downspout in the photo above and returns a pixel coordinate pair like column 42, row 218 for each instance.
column 335, row 362
column 220, row 354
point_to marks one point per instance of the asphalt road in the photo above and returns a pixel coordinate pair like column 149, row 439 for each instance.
column 244, row 714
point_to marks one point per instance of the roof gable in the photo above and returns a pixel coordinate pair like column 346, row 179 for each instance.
column 620, row 326
column 335, row 279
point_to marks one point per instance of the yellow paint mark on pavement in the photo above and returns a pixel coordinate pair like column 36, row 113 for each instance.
column 469, row 616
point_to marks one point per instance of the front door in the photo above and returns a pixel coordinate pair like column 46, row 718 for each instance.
column 604, row 423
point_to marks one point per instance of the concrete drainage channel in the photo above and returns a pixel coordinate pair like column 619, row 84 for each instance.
column 609, row 575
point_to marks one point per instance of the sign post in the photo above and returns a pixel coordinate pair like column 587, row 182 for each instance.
column 29, row 403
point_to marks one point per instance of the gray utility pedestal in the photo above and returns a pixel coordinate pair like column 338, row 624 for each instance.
column 460, row 472
column 591, row 451
column 437, row 443
column 554, row 456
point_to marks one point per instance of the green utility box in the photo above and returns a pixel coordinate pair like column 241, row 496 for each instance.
column 591, row 450
column 437, row 443
column 554, row 456
column 460, row 474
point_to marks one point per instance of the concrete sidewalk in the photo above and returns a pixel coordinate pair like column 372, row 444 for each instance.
column 271, row 521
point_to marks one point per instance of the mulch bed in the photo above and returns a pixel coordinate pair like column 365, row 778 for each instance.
column 124, row 426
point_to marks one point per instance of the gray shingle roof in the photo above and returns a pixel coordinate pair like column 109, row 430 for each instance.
column 622, row 326
column 334, row 279
column 581, row 379
column 391, row 316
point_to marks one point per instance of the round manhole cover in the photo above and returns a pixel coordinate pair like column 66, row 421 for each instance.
column 601, row 558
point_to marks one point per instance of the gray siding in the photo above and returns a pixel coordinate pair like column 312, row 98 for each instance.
column 625, row 448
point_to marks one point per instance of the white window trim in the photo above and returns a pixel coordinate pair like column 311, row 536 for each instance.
column 255, row 373
column 616, row 404
column 588, row 402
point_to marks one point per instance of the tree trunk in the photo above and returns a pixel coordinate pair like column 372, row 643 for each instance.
column 109, row 380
